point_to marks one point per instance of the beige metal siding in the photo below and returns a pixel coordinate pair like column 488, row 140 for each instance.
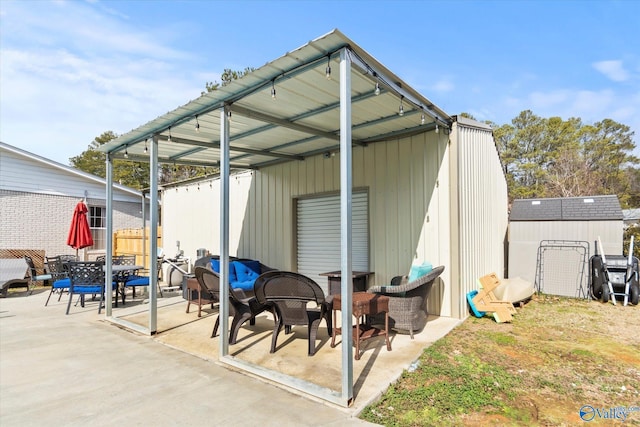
column 481, row 204
column 428, row 201
column 404, row 202
column 525, row 237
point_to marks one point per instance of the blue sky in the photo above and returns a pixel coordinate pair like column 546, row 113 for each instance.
column 70, row 70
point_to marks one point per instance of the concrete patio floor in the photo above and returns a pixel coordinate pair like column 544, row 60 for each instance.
column 41, row 349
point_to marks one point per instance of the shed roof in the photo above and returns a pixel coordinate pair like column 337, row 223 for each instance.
column 590, row 208
column 631, row 214
column 303, row 119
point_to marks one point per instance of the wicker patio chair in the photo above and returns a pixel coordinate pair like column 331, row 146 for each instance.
column 241, row 307
column 290, row 293
column 407, row 301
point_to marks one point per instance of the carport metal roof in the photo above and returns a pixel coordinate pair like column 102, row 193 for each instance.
column 302, row 120
column 241, row 125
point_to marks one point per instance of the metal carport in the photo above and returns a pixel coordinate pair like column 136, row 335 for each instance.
column 325, row 96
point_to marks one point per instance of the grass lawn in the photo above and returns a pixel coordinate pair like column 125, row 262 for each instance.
column 559, row 356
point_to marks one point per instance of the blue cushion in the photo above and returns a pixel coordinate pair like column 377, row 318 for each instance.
column 138, row 281
column 246, row 271
column 418, row 271
column 215, row 265
column 89, row 289
column 62, row 283
column 253, row 266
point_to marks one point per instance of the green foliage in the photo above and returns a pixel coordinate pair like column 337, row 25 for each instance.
column 227, row 77
column 565, row 158
column 131, row 174
column 628, row 232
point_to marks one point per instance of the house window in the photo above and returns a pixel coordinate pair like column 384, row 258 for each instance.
column 98, row 225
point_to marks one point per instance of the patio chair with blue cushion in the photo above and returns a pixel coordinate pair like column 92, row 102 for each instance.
column 241, row 307
column 33, row 274
column 87, row 278
column 59, row 276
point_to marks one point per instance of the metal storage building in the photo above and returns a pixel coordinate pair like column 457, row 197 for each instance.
column 328, row 122
column 550, row 238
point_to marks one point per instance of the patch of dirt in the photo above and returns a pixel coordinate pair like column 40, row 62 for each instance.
column 563, row 355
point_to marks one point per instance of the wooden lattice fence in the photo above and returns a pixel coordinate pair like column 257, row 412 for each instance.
column 36, row 254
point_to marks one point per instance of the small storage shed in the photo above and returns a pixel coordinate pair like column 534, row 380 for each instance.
column 551, row 240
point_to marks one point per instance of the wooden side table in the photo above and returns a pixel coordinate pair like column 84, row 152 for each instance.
column 196, row 296
column 363, row 304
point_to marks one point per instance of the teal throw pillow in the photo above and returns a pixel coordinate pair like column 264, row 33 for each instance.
column 417, row 271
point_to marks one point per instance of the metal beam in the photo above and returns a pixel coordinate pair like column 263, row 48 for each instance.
column 216, row 145
column 283, row 122
column 346, row 187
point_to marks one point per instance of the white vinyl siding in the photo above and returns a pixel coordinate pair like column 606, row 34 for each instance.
column 318, row 235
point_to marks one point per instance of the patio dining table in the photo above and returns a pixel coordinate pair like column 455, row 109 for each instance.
column 120, row 273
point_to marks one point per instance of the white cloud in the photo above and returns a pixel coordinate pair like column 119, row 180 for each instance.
column 613, row 70
column 70, row 73
column 443, row 85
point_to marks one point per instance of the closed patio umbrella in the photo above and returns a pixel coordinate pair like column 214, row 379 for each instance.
column 79, row 232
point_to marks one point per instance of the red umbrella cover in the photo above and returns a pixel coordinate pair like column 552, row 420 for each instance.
column 80, row 233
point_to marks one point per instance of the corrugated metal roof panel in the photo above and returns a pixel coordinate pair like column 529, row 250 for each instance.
column 302, row 120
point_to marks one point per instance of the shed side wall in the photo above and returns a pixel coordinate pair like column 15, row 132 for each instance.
column 525, row 237
column 482, row 211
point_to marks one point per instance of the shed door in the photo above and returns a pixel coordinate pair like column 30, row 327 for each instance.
column 318, row 235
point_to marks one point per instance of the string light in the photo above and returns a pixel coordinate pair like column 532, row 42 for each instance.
column 126, row 153
column 437, row 129
column 422, row 119
column 146, row 150
column 169, row 139
column 401, row 109
column 328, row 70
column 377, row 91
column 197, row 125
column 273, row 89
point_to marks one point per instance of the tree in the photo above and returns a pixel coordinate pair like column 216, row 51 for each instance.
column 565, row 158
column 131, row 174
column 227, row 77
column 136, row 174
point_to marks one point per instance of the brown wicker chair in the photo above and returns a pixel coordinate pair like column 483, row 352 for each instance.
column 407, row 301
column 241, row 307
column 290, row 292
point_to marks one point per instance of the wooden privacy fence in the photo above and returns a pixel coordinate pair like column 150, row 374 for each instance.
column 129, row 242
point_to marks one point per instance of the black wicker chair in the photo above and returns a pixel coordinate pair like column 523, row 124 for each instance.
column 408, row 301
column 290, row 293
column 241, row 307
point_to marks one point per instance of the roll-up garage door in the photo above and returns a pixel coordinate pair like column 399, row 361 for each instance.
column 318, row 235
